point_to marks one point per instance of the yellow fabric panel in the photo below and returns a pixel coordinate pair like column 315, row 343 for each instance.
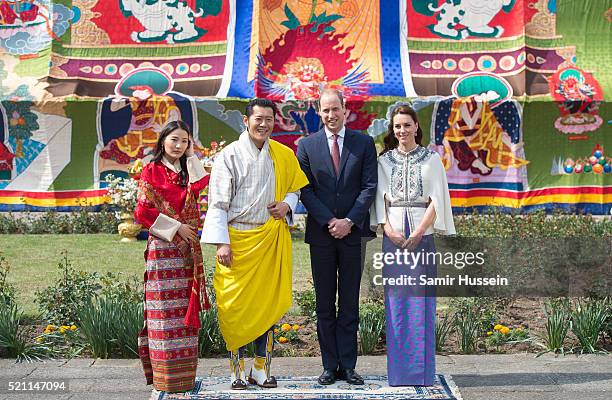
column 255, row 292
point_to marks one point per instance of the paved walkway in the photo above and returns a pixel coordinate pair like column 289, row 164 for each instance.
column 479, row 377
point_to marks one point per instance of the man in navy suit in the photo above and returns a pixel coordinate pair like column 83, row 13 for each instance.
column 341, row 167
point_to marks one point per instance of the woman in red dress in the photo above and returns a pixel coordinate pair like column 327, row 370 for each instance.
column 175, row 290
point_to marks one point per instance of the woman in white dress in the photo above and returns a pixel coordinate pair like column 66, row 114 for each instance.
column 412, row 202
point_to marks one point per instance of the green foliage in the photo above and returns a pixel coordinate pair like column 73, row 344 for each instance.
column 65, row 341
column 473, row 316
column 118, row 287
column 286, row 333
column 210, row 338
column 504, row 335
column 127, row 323
column 307, row 302
column 96, row 316
column 110, row 326
column 7, row 290
column 15, row 339
column 537, row 224
column 82, row 221
column 557, row 325
column 59, row 302
column 588, row 322
column 444, row 326
column 371, row 326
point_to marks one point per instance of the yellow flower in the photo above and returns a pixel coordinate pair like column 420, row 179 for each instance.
column 519, row 329
column 50, row 328
column 73, row 328
column 276, row 331
column 505, row 330
column 64, row 328
column 489, row 333
column 39, row 340
column 296, row 327
column 283, row 339
column 498, row 327
column 285, row 327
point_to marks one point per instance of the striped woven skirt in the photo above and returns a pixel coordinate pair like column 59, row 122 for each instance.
column 168, row 348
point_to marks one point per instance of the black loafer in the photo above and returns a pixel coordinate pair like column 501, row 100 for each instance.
column 350, row 376
column 328, row 377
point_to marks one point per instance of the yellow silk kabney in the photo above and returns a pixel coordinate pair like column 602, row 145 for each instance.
column 255, row 292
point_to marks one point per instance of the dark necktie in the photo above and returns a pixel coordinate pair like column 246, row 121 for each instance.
column 336, row 154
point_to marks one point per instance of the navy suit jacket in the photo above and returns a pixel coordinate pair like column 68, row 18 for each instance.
column 348, row 195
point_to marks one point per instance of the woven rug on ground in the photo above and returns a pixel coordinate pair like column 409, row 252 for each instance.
column 376, row 387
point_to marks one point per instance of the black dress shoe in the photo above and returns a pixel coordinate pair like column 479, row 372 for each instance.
column 328, row 377
column 239, row 384
column 350, row 376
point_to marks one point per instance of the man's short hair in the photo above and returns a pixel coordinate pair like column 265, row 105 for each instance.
column 260, row 103
column 334, row 92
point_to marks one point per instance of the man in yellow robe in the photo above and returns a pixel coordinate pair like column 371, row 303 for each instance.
column 253, row 191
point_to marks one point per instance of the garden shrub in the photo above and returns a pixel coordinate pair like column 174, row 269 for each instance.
column 444, row 326
column 110, row 326
column 371, row 326
column 589, row 321
column 210, row 338
column 15, row 339
column 535, row 224
column 119, row 287
column 97, row 317
column 473, row 317
column 59, row 302
column 501, row 335
column 307, row 302
column 51, row 222
column 7, row 290
column 557, row 325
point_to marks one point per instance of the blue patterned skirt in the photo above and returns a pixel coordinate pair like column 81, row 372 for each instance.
column 411, row 314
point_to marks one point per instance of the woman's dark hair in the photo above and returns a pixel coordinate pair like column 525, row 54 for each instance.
column 159, row 147
column 390, row 140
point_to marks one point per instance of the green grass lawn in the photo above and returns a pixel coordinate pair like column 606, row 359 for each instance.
column 34, row 260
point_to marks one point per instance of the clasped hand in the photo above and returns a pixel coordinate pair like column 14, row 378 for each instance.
column 399, row 240
column 339, row 228
column 188, row 233
column 278, row 209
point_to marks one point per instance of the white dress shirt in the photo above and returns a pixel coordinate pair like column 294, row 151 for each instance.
column 330, row 139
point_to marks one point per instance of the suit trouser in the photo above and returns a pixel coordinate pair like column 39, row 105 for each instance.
column 337, row 267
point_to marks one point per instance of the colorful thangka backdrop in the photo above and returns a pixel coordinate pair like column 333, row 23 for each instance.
column 513, row 94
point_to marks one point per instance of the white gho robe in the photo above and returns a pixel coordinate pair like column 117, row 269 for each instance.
column 242, row 184
column 407, row 182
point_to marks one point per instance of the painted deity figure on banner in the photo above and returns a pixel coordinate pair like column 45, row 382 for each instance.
column 150, row 111
column 144, row 96
column 460, row 19
column 172, row 21
column 475, row 140
column 478, row 133
column 578, row 96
